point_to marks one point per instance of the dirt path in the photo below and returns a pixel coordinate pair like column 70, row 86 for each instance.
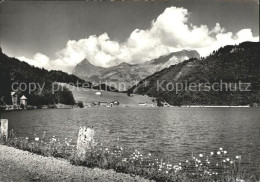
column 18, row 165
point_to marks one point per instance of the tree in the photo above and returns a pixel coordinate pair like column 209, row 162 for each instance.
column 159, row 103
column 2, row 106
column 80, row 104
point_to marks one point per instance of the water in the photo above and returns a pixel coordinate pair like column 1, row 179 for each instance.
column 172, row 133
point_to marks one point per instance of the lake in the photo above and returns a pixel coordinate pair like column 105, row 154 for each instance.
column 171, row 133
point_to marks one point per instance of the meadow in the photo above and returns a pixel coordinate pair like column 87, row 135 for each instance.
column 214, row 166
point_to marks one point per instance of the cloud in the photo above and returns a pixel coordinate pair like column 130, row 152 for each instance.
column 39, row 60
column 170, row 31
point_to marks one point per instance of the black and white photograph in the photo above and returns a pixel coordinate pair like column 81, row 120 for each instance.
column 129, row 91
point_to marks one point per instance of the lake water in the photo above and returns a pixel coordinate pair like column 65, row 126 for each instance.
column 169, row 132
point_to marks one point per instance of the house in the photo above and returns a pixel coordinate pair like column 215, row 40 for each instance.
column 116, row 102
column 142, row 104
column 96, row 103
column 14, row 97
column 111, row 104
column 23, row 101
column 103, row 104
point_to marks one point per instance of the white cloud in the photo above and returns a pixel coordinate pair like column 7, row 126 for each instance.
column 170, row 31
column 39, row 60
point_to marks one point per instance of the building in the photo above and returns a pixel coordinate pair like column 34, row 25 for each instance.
column 14, row 96
column 142, row 104
column 98, row 93
column 103, row 104
column 116, row 103
column 23, row 101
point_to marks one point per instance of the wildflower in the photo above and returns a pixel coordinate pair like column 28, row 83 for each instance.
column 37, row 139
column 187, row 161
column 231, row 162
column 238, row 157
column 218, row 152
column 211, row 153
column 149, row 154
column 224, row 160
column 225, row 152
column 201, row 155
column 26, row 138
column 228, row 159
column 166, row 172
column 220, row 148
column 180, row 164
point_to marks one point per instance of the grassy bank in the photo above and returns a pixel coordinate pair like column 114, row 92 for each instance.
column 216, row 166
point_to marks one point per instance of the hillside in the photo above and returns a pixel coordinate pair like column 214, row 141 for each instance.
column 125, row 73
column 230, row 64
column 12, row 70
column 89, row 96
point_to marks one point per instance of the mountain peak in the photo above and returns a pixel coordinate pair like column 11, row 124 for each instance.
column 124, row 64
column 179, row 55
column 85, row 62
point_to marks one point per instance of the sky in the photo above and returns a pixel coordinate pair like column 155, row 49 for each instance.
column 60, row 34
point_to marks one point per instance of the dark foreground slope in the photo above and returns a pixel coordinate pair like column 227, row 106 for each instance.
column 213, row 80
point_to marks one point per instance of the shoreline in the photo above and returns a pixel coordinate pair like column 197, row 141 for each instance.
column 19, row 165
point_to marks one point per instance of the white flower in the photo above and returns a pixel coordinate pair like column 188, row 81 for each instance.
column 224, row 160
column 225, row 152
column 187, row 161
column 201, row 155
column 218, row 152
column 228, row 159
column 166, row 172
column 26, row 138
column 211, row 153
column 238, row 157
column 37, row 139
column 231, row 162
column 220, row 148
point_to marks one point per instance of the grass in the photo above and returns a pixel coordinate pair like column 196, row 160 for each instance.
column 215, row 166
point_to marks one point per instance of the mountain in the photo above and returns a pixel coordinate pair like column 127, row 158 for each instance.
column 124, row 75
column 13, row 70
column 219, row 79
